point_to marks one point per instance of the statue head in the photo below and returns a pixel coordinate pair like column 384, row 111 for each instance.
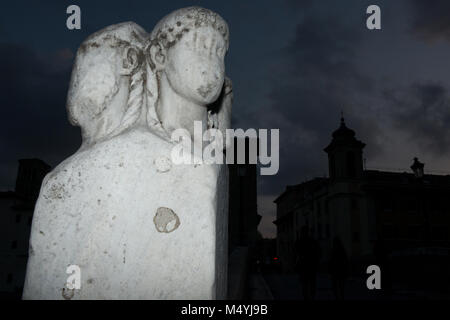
column 188, row 47
column 107, row 85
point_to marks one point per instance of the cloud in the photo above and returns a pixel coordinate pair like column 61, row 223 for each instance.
column 430, row 19
column 314, row 80
column 300, row 4
column 422, row 110
column 35, row 122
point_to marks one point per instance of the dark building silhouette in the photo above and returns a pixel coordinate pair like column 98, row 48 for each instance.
column 266, row 255
column 243, row 217
column 243, row 220
column 16, row 208
column 361, row 207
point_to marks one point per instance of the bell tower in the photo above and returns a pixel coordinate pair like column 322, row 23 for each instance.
column 345, row 159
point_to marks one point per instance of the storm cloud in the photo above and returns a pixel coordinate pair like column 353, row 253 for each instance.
column 422, row 110
column 33, row 98
column 315, row 80
column 295, row 65
column 430, row 19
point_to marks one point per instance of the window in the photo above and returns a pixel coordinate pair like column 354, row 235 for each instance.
column 440, row 233
column 414, row 232
column 389, row 231
column 9, row 278
column 436, row 205
column 387, row 203
column 354, row 205
column 412, row 205
column 332, row 167
column 351, row 170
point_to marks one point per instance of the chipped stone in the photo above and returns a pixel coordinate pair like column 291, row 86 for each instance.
column 163, row 164
column 166, row 220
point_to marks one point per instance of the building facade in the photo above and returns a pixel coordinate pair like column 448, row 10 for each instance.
column 243, row 220
column 406, row 210
column 16, row 208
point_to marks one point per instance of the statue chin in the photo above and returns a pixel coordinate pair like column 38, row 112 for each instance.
column 208, row 93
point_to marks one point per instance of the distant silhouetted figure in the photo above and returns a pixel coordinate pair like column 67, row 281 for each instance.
column 338, row 268
column 308, row 257
column 381, row 253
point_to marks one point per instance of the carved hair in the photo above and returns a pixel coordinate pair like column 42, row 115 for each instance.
column 167, row 32
column 170, row 29
column 135, row 103
column 119, row 37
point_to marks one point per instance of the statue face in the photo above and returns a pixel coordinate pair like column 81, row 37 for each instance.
column 195, row 65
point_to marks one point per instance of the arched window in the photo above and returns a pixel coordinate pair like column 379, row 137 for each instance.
column 332, row 167
column 351, row 170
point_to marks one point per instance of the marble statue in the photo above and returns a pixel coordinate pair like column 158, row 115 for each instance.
column 137, row 225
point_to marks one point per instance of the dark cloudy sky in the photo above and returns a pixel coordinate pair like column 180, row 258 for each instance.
column 294, row 64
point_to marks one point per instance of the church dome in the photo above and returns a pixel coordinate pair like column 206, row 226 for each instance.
column 343, row 131
column 344, row 137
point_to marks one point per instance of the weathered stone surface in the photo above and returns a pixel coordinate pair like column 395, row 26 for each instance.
column 111, row 234
column 138, row 225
